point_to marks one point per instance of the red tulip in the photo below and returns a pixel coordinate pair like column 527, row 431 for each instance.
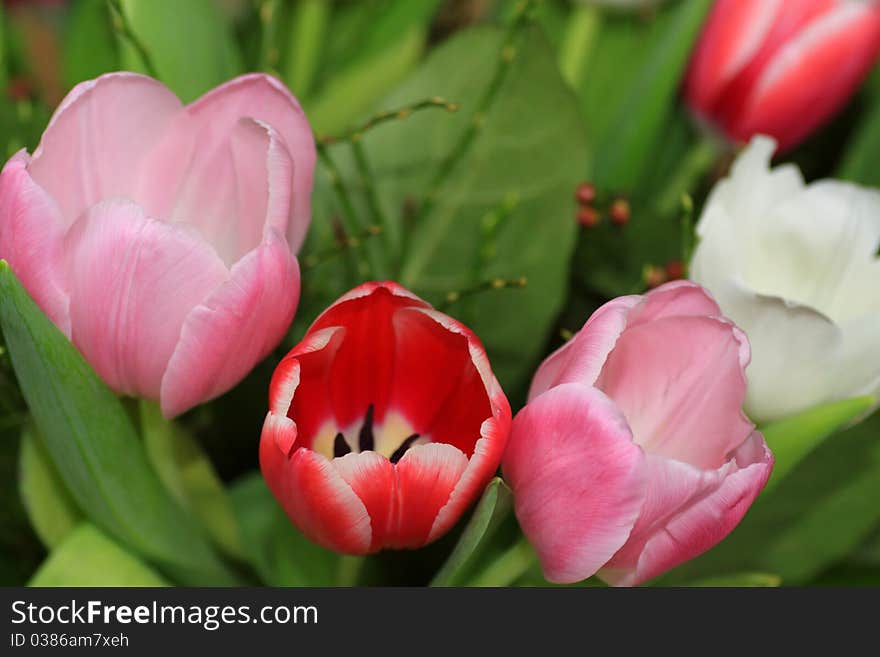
column 385, row 422
column 781, row 68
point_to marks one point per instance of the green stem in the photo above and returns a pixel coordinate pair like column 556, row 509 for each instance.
column 375, row 205
column 454, row 296
column 269, row 54
column 124, row 29
column 349, row 570
column 581, row 30
column 507, row 568
column 399, row 114
column 314, row 260
column 308, row 26
column 693, row 166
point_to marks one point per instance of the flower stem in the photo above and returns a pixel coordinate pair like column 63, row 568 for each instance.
column 583, row 25
column 349, row 571
column 375, row 206
column 399, row 114
column 124, row 29
column 508, row 567
column 693, row 166
column 454, row 296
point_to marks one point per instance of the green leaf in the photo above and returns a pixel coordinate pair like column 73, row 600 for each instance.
column 89, row 48
column 794, row 437
column 189, row 43
column 631, row 87
column 279, row 553
column 4, row 72
column 494, row 506
column 760, row 580
column 94, row 446
column 393, row 46
column 859, row 162
column 189, row 476
column 505, row 210
column 88, row 557
column 308, row 24
column 51, row 509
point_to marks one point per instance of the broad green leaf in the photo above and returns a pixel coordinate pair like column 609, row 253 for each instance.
column 505, row 209
column 87, row 557
column 860, row 158
column 631, row 86
column 308, row 24
column 51, row 509
column 393, row 44
column 94, row 446
column 189, row 43
column 751, row 580
column 89, row 47
column 279, row 553
column 793, row 438
column 189, row 476
column 4, row 72
column 494, row 506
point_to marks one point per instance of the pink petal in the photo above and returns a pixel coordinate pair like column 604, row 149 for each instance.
column 31, row 234
column 581, row 359
column 577, row 478
column 316, row 498
column 688, row 510
column 132, row 283
column 234, row 328
column 427, row 475
column 261, row 97
column 675, row 299
column 232, row 189
column 812, row 75
column 98, row 138
column 677, row 378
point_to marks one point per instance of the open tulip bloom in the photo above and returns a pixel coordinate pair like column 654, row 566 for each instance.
column 385, row 423
column 161, row 238
column 633, row 454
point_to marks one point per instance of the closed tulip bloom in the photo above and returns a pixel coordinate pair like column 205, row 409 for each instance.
column 632, row 454
column 161, row 238
column 781, row 67
column 384, row 423
column 796, row 267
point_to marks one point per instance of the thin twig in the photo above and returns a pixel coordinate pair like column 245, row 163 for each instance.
column 123, row 27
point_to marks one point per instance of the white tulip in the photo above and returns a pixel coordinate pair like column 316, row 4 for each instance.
column 796, row 267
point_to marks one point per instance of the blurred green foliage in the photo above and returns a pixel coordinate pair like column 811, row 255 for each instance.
column 469, row 203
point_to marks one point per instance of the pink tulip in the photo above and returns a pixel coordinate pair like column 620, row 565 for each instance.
column 633, row 453
column 161, row 238
column 781, row 67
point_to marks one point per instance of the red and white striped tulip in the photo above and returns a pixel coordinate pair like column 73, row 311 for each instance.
column 385, row 422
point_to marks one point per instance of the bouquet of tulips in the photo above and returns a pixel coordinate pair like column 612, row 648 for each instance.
column 484, row 293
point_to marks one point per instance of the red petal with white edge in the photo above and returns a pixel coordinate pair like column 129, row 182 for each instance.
column 427, row 475
column 578, row 479
column 133, row 281
column 374, row 480
column 688, row 510
column 316, row 498
column 98, row 137
column 234, row 328
column 31, row 235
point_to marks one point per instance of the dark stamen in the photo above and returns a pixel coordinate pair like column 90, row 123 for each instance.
column 405, row 445
column 365, row 438
column 340, row 447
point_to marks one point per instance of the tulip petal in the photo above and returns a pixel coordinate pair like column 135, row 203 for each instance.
column 316, row 498
column 234, row 328
column 31, row 234
column 674, row 299
column 688, row 510
column 838, row 47
column 132, row 282
column 581, row 358
column 427, row 475
column 233, row 188
column 98, row 137
column 373, row 479
column 267, row 100
column 677, row 378
column 577, row 477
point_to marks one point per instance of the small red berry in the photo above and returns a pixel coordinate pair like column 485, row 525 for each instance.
column 674, row 270
column 588, row 217
column 585, row 193
column 620, row 211
column 653, row 276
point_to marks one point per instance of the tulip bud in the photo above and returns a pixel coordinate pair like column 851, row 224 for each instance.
column 161, row 238
column 780, row 68
column 632, row 454
column 384, row 423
